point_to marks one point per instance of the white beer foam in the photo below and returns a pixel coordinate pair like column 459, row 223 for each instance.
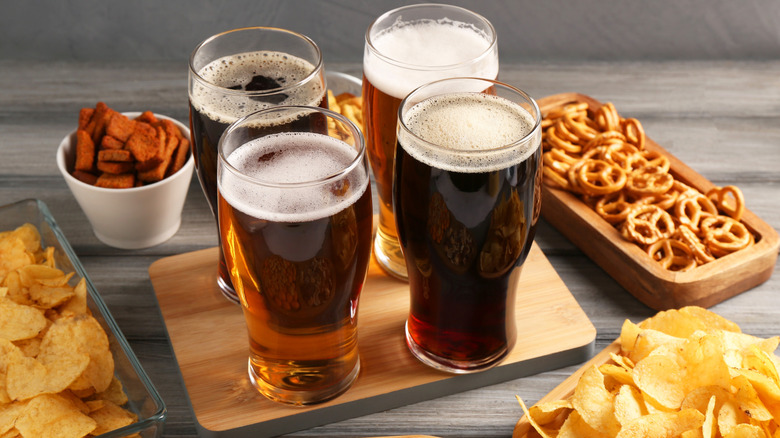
column 462, row 125
column 427, row 45
column 237, row 69
column 298, row 157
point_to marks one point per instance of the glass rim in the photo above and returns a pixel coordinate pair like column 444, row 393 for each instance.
column 360, row 147
column 228, row 91
column 418, row 67
column 536, row 114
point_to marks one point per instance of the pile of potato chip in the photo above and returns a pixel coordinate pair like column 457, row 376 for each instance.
column 56, row 368
column 689, row 373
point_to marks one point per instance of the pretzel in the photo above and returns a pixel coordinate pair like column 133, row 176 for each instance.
column 647, row 224
column 720, row 197
column 690, row 210
column 597, row 177
column 650, row 180
column 700, row 251
column 576, row 108
column 634, row 132
column 724, row 235
column 557, row 142
column 607, row 117
column 614, row 207
column 655, row 159
column 672, row 255
column 581, row 129
column 622, row 155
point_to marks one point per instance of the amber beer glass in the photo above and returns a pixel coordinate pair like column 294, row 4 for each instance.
column 467, row 197
column 238, row 72
column 405, row 48
column 295, row 217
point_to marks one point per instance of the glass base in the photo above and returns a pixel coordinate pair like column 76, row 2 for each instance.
column 387, row 252
column 452, row 366
column 303, row 397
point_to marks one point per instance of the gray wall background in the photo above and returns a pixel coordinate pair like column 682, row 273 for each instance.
column 528, row 30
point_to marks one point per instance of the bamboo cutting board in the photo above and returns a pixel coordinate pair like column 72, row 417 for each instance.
column 211, row 347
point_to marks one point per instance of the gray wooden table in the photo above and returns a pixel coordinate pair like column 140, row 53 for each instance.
column 721, row 118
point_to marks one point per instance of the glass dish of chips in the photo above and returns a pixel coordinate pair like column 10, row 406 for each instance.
column 127, row 406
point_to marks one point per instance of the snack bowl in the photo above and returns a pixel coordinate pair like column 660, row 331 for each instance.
column 343, row 83
column 143, row 399
column 130, row 218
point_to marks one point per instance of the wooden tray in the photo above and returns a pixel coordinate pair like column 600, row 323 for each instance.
column 210, row 343
column 653, row 285
column 566, row 388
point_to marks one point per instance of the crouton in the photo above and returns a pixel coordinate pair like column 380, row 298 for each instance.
column 122, row 155
column 85, row 151
column 120, row 127
column 111, row 181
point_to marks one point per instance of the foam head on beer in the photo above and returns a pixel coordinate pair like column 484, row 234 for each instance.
column 250, row 74
column 449, row 132
column 414, row 53
column 278, row 162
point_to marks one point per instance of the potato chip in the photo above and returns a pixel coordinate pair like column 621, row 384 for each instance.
column 629, row 404
column 745, row 431
column 663, row 424
column 542, row 431
column 648, row 340
column 594, row 403
column 114, row 393
column 749, row 401
column 18, row 321
column 51, row 416
column 110, row 417
column 660, row 378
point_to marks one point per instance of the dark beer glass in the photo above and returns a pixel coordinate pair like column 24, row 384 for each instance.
column 295, row 218
column 405, row 48
column 467, row 199
column 236, row 73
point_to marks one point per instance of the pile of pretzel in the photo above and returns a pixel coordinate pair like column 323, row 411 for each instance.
column 601, row 157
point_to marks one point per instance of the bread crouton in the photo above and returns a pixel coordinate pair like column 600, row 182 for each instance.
column 85, row 151
column 111, row 181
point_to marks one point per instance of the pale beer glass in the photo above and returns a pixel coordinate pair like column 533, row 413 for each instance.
column 238, row 72
column 404, row 49
column 295, row 218
column 467, row 197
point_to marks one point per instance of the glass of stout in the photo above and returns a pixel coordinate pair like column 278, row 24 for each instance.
column 404, row 49
column 236, row 73
column 295, row 218
column 466, row 189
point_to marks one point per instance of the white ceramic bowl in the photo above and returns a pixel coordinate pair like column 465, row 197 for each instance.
column 132, row 218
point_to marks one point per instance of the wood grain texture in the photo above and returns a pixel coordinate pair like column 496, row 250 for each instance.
column 209, row 339
column 629, row 265
column 721, row 118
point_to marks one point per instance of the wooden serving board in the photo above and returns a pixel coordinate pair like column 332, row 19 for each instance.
column 211, row 347
column 629, row 265
column 566, row 388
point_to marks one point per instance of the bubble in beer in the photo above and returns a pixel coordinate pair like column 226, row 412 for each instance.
column 293, row 158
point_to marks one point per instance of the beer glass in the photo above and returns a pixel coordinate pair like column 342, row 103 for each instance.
column 238, row 72
column 295, row 219
column 467, row 197
column 405, row 48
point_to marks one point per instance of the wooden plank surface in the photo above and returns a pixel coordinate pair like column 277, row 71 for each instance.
column 721, row 118
column 208, row 335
